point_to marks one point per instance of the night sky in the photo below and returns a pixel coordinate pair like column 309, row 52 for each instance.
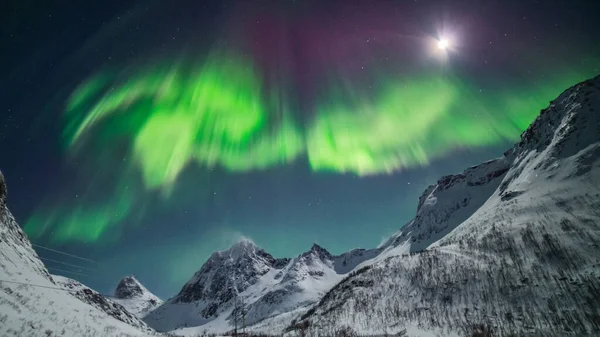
column 146, row 135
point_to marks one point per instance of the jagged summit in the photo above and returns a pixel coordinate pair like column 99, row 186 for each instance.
column 572, row 112
column 320, row 251
column 131, row 294
column 316, row 247
column 129, row 287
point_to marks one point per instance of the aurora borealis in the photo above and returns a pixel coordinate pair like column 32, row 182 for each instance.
column 219, row 113
column 149, row 135
column 214, row 114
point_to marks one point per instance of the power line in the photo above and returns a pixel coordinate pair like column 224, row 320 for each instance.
column 49, row 287
column 67, row 264
column 67, row 254
column 67, row 271
column 60, row 262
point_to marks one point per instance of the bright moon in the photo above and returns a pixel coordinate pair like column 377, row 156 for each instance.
column 442, row 44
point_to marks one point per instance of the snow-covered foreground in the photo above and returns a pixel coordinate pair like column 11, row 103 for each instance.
column 33, row 303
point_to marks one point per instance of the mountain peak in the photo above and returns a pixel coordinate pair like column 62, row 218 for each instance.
column 240, row 249
column 129, row 287
column 320, row 251
column 132, row 295
column 316, row 248
column 226, row 273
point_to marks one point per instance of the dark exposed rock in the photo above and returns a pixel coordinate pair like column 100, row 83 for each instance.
column 3, row 190
column 129, row 287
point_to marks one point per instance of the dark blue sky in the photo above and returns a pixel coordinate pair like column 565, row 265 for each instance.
column 49, row 47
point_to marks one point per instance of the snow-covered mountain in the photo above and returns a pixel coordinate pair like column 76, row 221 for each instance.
column 247, row 284
column 518, row 254
column 445, row 205
column 34, row 303
column 301, row 283
column 134, row 297
column 213, row 291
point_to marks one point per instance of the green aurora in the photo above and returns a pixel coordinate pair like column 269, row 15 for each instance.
column 80, row 223
column 221, row 113
column 217, row 114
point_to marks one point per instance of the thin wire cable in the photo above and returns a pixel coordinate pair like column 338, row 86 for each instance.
column 64, row 263
column 67, row 264
column 48, row 287
column 67, row 254
column 67, row 271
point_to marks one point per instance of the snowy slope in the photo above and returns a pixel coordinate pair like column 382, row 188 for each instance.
column 445, row 205
column 134, row 297
column 524, row 261
column 33, row 304
column 303, row 282
column 93, row 298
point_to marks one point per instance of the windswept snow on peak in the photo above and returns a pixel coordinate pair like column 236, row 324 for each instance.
column 134, row 297
column 33, row 304
column 524, row 262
